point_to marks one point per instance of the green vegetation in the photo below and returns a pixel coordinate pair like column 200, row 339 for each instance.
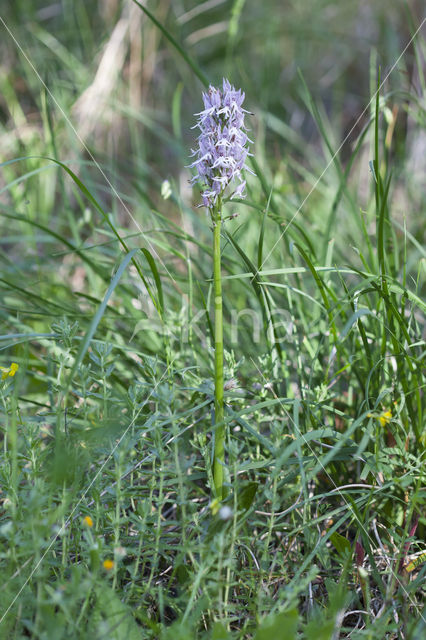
column 108, row 526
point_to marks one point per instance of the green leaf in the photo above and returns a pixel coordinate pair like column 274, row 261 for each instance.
column 177, row 631
column 219, row 632
column 111, row 618
column 281, row 626
column 157, row 279
column 325, row 622
column 353, row 319
column 100, row 312
column 320, row 630
column 246, row 495
column 191, row 63
column 340, row 543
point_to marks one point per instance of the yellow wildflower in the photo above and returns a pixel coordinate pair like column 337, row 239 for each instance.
column 88, row 520
column 385, row 418
column 108, row 564
column 7, row 372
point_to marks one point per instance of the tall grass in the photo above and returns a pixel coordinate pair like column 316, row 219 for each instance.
column 106, row 299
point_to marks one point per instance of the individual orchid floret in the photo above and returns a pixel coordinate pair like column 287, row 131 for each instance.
column 222, row 144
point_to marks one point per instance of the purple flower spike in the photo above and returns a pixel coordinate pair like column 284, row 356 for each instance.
column 222, row 149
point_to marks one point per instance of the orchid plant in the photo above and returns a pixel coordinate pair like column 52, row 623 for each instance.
column 220, row 159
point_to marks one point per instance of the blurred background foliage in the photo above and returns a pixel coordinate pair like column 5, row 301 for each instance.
column 121, row 89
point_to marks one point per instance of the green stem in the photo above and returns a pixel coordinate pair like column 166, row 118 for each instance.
column 219, row 441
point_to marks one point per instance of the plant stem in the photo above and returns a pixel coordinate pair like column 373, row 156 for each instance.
column 219, row 441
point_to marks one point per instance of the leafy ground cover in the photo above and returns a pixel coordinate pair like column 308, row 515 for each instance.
column 109, row 527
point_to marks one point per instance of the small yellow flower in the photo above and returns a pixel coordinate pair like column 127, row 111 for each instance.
column 108, row 565
column 385, row 418
column 7, row 372
column 88, row 520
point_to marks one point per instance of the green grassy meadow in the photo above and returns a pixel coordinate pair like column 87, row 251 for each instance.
column 109, row 526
